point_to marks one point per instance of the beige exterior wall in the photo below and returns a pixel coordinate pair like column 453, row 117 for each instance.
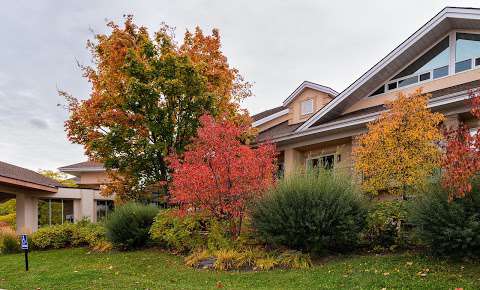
column 319, row 101
column 84, row 206
column 296, row 158
column 93, row 178
column 430, row 86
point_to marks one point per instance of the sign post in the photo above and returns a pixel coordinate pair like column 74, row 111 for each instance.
column 25, row 248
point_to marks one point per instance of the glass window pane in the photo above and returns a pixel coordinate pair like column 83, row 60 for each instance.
column 425, row 76
column 328, row 161
column 467, row 47
column 379, row 91
column 56, row 212
column 43, row 213
column 68, row 210
column 436, row 57
column 392, row 86
column 440, row 72
column 408, row 81
column 463, row 65
column 477, row 61
column 307, row 107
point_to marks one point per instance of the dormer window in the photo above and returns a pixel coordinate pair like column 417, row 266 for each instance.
column 306, row 107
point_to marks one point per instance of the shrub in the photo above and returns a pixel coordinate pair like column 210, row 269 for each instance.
column 53, row 237
column 129, row 225
column 316, row 211
column 190, row 232
column 385, row 225
column 69, row 235
column 448, row 228
column 9, row 219
column 9, row 241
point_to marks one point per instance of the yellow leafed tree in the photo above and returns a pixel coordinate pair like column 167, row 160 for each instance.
column 400, row 149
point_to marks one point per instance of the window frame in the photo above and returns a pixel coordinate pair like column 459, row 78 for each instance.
column 302, row 113
column 319, row 157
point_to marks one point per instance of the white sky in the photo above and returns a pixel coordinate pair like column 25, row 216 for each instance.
column 275, row 44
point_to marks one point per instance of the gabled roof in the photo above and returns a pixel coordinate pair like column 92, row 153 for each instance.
column 310, row 85
column 446, row 20
column 22, row 174
column 83, row 166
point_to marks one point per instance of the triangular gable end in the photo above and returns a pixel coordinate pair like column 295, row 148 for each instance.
column 309, row 85
column 448, row 19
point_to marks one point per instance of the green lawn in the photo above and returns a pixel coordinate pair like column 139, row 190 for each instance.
column 151, row 269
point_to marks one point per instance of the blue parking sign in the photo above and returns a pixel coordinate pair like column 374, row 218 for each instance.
column 24, row 242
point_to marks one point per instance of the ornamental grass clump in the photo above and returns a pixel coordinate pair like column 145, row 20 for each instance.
column 316, row 211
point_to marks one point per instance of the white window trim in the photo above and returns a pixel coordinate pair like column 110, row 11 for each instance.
column 301, row 107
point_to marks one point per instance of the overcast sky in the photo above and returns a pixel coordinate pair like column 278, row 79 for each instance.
column 275, row 44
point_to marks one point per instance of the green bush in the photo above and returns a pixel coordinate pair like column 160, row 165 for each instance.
column 385, row 225
column 187, row 233
column 317, row 211
column 9, row 241
column 448, row 228
column 53, row 237
column 68, row 235
column 129, row 225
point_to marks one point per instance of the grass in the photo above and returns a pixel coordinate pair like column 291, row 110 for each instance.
column 152, row 269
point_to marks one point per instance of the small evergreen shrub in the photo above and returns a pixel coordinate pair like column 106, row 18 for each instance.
column 385, row 225
column 316, row 211
column 129, row 225
column 9, row 241
column 185, row 233
column 448, row 228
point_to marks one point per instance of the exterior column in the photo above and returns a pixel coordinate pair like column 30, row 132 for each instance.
column 294, row 161
column 77, row 210
column 27, row 213
column 88, row 205
column 451, row 122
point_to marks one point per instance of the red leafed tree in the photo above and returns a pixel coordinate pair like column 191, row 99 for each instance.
column 219, row 175
column 461, row 161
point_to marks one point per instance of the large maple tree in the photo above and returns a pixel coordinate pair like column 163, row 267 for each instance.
column 461, row 161
column 400, row 149
column 147, row 95
column 219, row 175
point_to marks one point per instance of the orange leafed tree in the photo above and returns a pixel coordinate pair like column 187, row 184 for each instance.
column 147, row 95
column 461, row 161
column 400, row 149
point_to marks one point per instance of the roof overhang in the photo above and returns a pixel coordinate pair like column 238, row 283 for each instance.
column 444, row 103
column 270, row 118
column 309, row 85
column 8, row 181
column 448, row 19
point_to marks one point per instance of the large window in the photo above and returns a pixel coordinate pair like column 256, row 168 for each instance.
column 54, row 211
column 467, row 51
column 435, row 58
column 104, row 208
column 435, row 63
